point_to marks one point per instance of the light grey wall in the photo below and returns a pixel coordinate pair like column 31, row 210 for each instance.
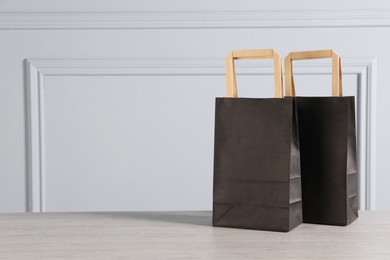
column 105, row 106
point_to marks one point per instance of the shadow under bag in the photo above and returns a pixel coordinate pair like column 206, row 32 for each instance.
column 327, row 140
column 257, row 183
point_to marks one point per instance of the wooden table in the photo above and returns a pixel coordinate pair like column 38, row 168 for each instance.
column 183, row 235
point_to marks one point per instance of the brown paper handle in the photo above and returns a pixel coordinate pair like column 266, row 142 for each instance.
column 337, row 87
column 231, row 83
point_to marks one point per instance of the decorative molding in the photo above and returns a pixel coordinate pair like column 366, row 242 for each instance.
column 371, row 134
column 188, row 20
column 37, row 69
column 35, row 155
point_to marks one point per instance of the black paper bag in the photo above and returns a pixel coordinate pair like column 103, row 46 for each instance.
column 257, row 182
column 327, row 140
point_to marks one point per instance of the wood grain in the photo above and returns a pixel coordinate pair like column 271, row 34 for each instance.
column 183, row 235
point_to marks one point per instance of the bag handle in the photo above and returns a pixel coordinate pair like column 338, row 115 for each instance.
column 337, row 87
column 231, row 83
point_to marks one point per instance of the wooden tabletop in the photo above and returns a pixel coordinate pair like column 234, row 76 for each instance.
column 183, row 235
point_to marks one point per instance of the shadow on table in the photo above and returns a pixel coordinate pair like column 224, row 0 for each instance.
column 202, row 218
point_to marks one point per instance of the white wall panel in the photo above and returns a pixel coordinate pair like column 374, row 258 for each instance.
column 106, row 78
column 138, row 142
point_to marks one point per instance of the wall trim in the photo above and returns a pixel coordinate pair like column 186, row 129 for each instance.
column 183, row 20
column 37, row 69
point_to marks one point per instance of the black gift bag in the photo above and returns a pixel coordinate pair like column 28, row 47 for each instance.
column 257, row 182
column 328, row 148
